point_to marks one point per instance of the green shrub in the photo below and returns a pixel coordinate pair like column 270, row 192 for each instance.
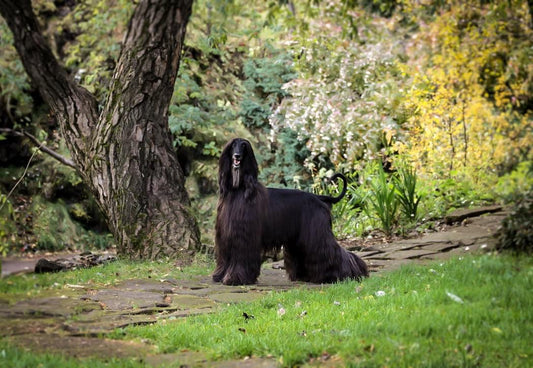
column 512, row 185
column 264, row 80
column 516, row 234
column 282, row 161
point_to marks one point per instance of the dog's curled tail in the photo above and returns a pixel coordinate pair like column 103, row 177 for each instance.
column 333, row 200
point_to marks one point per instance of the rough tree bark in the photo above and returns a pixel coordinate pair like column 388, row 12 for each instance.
column 124, row 152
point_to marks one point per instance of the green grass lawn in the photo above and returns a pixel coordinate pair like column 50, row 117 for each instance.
column 471, row 311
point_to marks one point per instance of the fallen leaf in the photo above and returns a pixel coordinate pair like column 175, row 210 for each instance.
column 454, row 297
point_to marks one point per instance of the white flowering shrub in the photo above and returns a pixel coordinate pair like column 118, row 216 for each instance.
column 347, row 103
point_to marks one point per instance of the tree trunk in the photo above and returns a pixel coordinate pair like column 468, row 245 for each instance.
column 124, row 153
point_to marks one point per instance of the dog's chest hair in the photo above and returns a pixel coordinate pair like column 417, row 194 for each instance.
column 237, row 214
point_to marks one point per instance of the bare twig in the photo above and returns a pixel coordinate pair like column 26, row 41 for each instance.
column 20, row 179
column 40, row 145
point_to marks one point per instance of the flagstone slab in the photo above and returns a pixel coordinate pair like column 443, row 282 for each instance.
column 463, row 214
column 377, row 263
column 23, row 325
column 380, row 265
column 51, row 307
column 180, row 359
column 81, row 347
column 190, row 301
column 403, row 245
column 96, row 324
column 440, row 247
column 149, row 285
column 90, row 326
column 119, row 299
column 367, row 254
column 409, row 254
column 205, row 292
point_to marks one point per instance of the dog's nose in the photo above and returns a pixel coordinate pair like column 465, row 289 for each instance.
column 237, row 156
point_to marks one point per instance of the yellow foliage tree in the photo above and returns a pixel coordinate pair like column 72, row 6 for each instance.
column 467, row 121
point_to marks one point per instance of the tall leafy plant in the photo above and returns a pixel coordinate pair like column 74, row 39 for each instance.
column 408, row 198
column 382, row 200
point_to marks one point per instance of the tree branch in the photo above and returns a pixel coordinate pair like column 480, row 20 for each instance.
column 75, row 108
column 40, row 145
column 158, row 29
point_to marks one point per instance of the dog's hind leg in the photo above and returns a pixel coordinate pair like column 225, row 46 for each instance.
column 294, row 265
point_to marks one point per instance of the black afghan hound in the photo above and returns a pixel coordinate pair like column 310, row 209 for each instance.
column 252, row 219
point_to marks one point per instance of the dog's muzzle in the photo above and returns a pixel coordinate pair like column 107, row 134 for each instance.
column 236, row 161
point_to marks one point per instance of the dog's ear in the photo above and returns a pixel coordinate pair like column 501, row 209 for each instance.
column 250, row 164
column 224, row 168
column 250, row 171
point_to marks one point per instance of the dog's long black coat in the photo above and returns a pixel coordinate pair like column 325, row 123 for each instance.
column 252, row 219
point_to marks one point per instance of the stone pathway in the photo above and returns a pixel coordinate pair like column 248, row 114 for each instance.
column 70, row 321
column 474, row 230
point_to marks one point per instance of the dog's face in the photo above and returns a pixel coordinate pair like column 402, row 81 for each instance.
column 241, row 150
column 237, row 162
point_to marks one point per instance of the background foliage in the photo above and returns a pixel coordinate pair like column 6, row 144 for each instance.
column 428, row 101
